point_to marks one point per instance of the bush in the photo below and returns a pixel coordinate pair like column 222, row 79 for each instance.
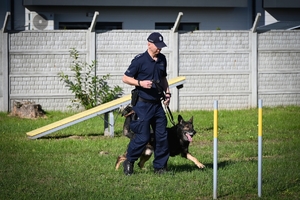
column 90, row 90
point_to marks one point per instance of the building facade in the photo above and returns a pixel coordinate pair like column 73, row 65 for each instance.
column 131, row 15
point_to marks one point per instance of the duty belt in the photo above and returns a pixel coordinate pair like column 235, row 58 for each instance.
column 149, row 101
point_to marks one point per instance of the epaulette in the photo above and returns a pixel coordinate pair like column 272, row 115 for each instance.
column 139, row 55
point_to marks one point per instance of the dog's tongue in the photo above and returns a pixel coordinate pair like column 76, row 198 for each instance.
column 189, row 137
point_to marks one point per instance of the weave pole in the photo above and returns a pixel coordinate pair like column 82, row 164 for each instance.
column 215, row 165
column 259, row 177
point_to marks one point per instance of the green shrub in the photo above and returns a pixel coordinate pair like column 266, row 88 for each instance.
column 89, row 90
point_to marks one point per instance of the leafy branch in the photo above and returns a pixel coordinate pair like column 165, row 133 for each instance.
column 89, row 90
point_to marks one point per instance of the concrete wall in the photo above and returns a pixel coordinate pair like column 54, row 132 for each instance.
column 279, row 67
column 36, row 58
column 217, row 66
column 4, row 84
column 234, row 67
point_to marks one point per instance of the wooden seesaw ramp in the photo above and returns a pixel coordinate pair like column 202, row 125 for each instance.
column 93, row 112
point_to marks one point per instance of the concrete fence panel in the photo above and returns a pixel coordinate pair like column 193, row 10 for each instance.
column 279, row 68
column 234, row 67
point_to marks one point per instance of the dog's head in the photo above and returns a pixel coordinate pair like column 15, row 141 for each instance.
column 126, row 111
column 185, row 129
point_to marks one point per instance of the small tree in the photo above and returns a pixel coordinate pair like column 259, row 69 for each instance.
column 89, row 89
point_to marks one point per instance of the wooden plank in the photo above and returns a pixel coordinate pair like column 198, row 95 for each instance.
column 87, row 114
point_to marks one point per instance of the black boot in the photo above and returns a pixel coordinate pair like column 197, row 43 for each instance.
column 160, row 171
column 128, row 168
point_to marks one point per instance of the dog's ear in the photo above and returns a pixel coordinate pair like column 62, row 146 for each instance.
column 180, row 119
column 191, row 120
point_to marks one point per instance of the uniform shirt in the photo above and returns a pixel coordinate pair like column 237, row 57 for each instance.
column 143, row 67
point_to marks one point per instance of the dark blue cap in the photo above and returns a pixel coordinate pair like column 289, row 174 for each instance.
column 157, row 39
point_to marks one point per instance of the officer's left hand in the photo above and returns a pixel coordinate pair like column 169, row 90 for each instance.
column 167, row 100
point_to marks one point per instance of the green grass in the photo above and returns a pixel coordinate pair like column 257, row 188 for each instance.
column 78, row 162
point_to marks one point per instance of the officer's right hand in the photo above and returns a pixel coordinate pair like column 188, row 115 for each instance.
column 146, row 84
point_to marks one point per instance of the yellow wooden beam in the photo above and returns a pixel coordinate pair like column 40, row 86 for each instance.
column 80, row 115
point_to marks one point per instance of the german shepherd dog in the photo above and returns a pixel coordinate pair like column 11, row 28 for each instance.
column 179, row 138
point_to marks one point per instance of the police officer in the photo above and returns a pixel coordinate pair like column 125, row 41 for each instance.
column 147, row 72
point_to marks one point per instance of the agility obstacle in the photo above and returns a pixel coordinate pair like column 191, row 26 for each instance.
column 215, row 165
column 93, row 112
column 215, row 159
column 259, row 178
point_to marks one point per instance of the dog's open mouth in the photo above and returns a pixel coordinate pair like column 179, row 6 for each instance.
column 190, row 139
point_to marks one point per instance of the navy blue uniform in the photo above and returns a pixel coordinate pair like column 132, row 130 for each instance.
column 150, row 113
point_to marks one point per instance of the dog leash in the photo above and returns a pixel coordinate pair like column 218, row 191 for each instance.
column 170, row 116
column 160, row 90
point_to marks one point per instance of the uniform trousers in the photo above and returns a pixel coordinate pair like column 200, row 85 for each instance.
column 149, row 115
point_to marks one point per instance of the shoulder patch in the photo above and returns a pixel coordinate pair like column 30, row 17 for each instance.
column 139, row 55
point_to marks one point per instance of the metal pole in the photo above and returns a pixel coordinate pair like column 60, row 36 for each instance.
column 111, row 124
column 259, row 178
column 215, row 164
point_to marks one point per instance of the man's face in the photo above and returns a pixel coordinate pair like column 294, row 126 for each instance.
column 153, row 49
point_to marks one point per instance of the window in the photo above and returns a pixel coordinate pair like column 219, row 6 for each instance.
column 86, row 25
column 182, row 26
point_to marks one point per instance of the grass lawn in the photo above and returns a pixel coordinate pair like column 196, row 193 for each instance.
column 78, row 162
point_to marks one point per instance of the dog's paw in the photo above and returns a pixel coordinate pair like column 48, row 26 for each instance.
column 200, row 165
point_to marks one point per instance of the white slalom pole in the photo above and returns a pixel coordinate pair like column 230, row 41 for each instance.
column 215, row 164
column 259, row 177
